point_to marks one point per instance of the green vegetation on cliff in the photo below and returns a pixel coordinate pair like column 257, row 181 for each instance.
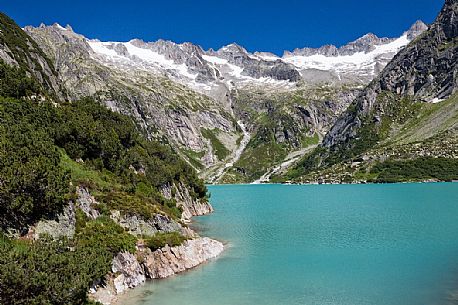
column 60, row 272
column 405, row 130
column 161, row 239
column 48, row 148
column 28, row 56
column 220, row 150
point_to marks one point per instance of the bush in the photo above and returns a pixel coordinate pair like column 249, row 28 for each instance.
column 160, row 239
column 47, row 272
column 15, row 83
column 32, row 183
column 107, row 236
column 35, row 140
column 424, row 168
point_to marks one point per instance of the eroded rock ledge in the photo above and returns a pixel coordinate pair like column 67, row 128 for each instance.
column 130, row 271
column 190, row 207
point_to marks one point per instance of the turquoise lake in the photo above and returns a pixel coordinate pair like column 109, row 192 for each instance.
column 323, row 245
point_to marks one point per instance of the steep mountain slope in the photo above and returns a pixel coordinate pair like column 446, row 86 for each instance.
column 160, row 106
column 196, row 98
column 19, row 50
column 81, row 187
column 396, row 106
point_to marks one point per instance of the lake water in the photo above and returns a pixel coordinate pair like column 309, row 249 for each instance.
column 323, row 245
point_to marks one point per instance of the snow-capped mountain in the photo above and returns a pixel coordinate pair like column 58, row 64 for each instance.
column 357, row 62
column 208, row 103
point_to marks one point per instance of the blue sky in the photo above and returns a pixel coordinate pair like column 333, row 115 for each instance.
column 258, row 25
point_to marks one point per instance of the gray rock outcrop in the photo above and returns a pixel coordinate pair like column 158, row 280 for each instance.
column 63, row 226
column 130, row 271
column 190, row 207
column 168, row 261
column 138, row 226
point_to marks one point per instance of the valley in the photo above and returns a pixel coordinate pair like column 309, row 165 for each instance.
column 198, row 99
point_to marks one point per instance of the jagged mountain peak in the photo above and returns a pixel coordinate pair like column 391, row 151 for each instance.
column 233, row 47
column 367, row 38
column 425, row 70
column 365, row 43
column 416, row 29
column 419, row 25
column 56, row 25
column 187, row 61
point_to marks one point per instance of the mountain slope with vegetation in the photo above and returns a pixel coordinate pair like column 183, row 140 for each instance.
column 412, row 102
column 77, row 181
column 196, row 98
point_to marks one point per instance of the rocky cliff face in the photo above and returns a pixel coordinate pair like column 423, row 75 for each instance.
column 190, row 207
column 161, row 106
column 395, row 105
column 426, row 70
column 191, row 96
column 19, row 50
column 130, row 271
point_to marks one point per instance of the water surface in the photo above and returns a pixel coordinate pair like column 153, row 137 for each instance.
column 322, row 245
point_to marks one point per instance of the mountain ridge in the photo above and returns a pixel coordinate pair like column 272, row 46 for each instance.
column 422, row 74
column 183, row 92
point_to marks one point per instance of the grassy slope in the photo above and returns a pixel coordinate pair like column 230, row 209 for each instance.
column 273, row 113
column 429, row 131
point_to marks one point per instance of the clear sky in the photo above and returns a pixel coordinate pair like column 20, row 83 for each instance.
column 258, row 25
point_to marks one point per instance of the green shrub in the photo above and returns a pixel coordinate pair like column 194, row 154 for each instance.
column 107, row 236
column 15, row 83
column 161, row 239
column 424, row 168
column 32, row 183
column 47, row 272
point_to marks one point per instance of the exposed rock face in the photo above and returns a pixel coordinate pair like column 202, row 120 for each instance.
column 146, row 90
column 416, row 30
column 256, row 67
column 363, row 44
column 138, row 226
column 191, row 207
column 63, row 226
column 129, row 272
column 426, row 70
column 28, row 56
column 168, row 261
column 87, row 203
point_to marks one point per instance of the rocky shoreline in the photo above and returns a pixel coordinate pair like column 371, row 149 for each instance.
column 130, row 271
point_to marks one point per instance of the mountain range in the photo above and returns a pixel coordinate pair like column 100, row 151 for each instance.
column 237, row 116
column 234, row 115
column 102, row 142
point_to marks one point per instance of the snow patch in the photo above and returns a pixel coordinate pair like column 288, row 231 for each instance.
column 143, row 55
column 345, row 63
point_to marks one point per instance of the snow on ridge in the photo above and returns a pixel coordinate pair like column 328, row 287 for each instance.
column 60, row 27
column 215, row 60
column 101, row 48
column 268, row 57
column 346, row 62
column 145, row 55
